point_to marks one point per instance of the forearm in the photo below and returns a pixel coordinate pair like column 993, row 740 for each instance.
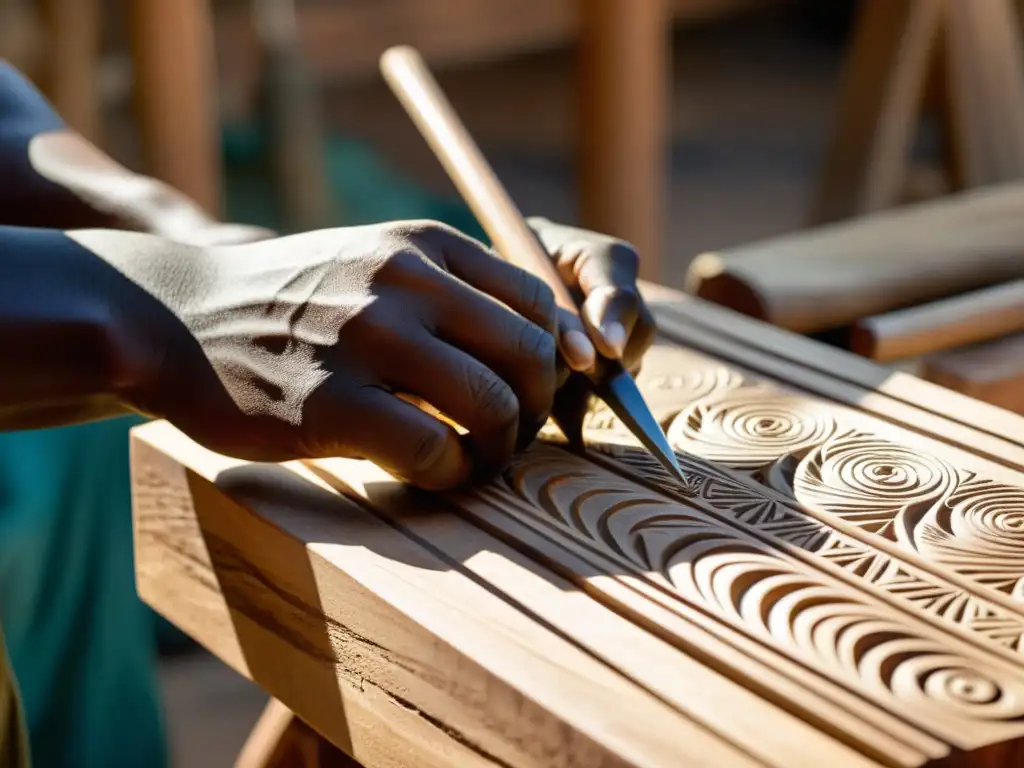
column 61, row 309
column 52, row 177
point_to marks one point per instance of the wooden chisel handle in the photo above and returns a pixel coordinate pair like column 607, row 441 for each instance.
column 420, row 95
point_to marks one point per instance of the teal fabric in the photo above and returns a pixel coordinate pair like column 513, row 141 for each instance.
column 80, row 641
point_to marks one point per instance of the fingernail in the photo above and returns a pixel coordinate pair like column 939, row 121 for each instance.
column 578, row 350
column 615, row 334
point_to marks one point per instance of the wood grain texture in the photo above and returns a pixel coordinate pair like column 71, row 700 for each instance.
column 836, row 274
column 391, row 652
column 837, row 582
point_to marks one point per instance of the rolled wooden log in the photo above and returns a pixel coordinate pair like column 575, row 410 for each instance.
column 832, row 276
column 970, row 318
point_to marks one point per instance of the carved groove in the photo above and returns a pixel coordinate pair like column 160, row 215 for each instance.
column 828, row 458
column 801, row 612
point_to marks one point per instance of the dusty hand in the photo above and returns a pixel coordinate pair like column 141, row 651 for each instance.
column 603, row 270
column 300, row 346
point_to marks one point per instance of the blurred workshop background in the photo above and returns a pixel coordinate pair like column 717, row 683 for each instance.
column 684, row 126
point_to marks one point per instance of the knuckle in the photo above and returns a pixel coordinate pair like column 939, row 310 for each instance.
column 494, row 398
column 538, row 298
column 424, row 230
column 428, row 448
column 537, row 346
column 402, row 258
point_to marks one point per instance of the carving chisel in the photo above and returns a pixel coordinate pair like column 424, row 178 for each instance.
column 416, row 89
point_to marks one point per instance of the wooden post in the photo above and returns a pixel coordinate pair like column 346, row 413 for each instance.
column 172, row 51
column 71, row 62
column 883, row 84
column 624, row 93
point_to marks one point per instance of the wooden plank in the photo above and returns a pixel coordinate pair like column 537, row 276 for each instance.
column 833, row 275
column 622, row 122
column 841, row 565
column 969, row 318
column 559, row 505
column 880, row 99
column 992, row 372
column 393, row 653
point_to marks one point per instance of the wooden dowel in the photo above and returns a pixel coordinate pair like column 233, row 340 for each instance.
column 429, row 108
column 945, row 324
column 835, row 275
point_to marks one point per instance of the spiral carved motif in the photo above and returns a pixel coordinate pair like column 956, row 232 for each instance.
column 979, row 531
column 750, row 427
column 796, row 608
column 878, row 485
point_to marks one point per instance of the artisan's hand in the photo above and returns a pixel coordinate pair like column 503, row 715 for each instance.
column 604, row 271
column 299, row 346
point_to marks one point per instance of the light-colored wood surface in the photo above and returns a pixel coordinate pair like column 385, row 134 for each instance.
column 389, row 651
column 175, row 95
column 621, row 118
column 968, row 318
column 992, row 372
column 836, row 274
column 839, row 566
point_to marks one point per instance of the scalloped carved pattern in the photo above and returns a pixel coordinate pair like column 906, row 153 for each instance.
column 797, row 609
column 740, row 496
column 824, row 456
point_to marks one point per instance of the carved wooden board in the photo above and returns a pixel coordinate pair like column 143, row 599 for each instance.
column 840, row 580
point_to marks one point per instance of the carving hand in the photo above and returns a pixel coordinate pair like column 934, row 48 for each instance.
column 603, row 272
column 301, row 346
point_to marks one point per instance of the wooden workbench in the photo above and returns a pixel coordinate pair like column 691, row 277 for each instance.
column 839, row 582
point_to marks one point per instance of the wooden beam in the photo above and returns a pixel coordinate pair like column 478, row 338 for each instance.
column 832, row 276
column 282, row 740
column 388, row 648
